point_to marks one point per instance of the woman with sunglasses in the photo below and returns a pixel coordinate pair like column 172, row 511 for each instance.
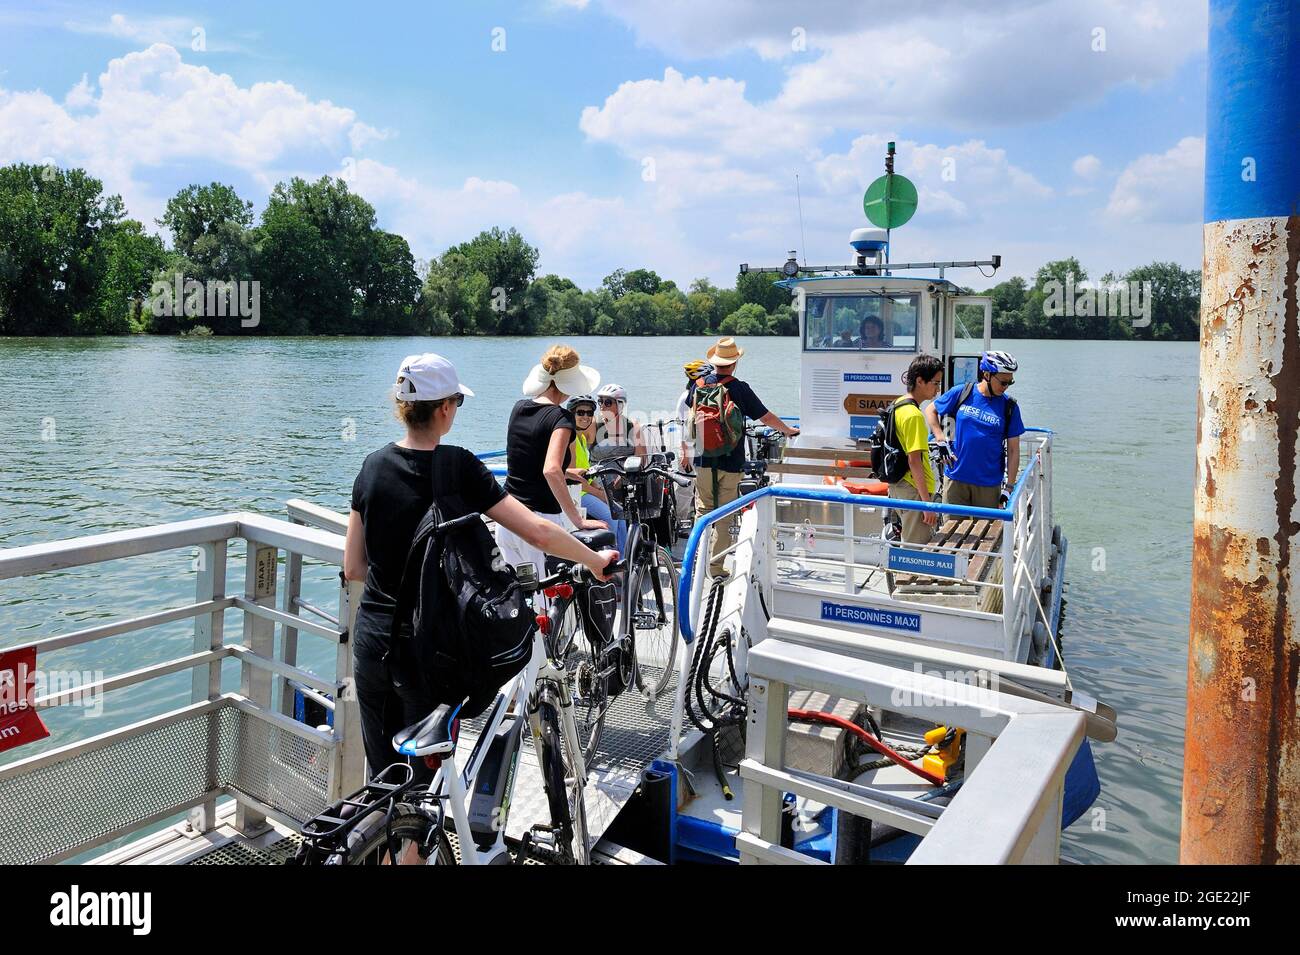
column 986, row 432
column 590, row 496
column 616, row 435
column 390, row 496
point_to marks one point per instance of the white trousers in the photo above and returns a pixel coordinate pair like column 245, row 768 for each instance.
column 515, row 550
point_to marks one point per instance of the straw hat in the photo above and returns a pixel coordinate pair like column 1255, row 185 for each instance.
column 725, row 352
column 578, row 380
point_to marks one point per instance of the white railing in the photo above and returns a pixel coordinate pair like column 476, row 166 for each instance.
column 1007, row 809
column 77, row 796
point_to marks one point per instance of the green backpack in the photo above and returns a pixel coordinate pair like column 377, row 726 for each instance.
column 719, row 422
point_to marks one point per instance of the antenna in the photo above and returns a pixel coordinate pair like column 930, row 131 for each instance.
column 803, row 240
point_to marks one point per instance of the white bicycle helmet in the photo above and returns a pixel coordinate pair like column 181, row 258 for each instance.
column 998, row 362
column 612, row 391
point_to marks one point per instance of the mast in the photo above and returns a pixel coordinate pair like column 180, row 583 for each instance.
column 1241, row 780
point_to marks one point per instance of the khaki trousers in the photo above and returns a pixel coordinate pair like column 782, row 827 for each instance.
column 971, row 495
column 915, row 529
column 728, row 489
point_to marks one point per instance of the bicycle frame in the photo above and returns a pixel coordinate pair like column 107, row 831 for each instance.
column 455, row 786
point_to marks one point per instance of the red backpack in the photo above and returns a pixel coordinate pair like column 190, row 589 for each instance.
column 719, row 422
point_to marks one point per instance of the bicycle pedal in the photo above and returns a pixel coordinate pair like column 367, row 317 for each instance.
column 645, row 620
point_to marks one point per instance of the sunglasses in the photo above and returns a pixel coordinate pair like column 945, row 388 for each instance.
column 609, row 402
column 1004, row 382
column 587, row 413
column 457, row 397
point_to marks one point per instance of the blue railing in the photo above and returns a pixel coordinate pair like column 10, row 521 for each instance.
column 484, row 455
column 794, row 493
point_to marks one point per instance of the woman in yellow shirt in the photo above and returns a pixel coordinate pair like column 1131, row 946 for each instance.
column 592, row 497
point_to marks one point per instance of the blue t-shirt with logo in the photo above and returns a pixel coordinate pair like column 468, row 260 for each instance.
column 978, row 432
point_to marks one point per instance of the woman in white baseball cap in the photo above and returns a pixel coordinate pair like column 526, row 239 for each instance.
column 539, row 442
column 391, row 494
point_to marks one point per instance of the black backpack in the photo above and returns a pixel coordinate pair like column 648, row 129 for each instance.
column 888, row 459
column 463, row 624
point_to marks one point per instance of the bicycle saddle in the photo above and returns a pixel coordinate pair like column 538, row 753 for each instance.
column 600, row 539
column 432, row 736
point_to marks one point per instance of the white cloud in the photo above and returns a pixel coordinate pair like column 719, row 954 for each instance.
column 1086, row 167
column 154, row 110
column 956, row 182
column 1162, row 187
column 999, row 62
column 694, row 112
column 580, row 236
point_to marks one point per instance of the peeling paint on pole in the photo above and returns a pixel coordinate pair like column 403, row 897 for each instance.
column 1241, row 781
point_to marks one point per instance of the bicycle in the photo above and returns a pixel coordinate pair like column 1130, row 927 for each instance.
column 394, row 820
column 647, row 619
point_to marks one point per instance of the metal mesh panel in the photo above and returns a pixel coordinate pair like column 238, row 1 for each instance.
column 75, row 802
column 63, row 805
column 273, row 765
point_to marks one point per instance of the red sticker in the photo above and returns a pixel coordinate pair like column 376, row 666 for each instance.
column 19, row 721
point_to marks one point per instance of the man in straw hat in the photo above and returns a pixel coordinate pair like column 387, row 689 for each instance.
column 720, row 473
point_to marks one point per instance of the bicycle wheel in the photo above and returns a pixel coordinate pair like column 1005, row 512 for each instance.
column 411, row 834
column 654, row 622
column 564, row 790
column 590, row 694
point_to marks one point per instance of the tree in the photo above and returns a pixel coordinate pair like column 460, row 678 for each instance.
column 317, row 255
column 749, row 319
column 51, row 224
column 199, row 211
column 508, row 263
column 132, row 259
column 1174, row 301
column 761, row 289
column 391, row 286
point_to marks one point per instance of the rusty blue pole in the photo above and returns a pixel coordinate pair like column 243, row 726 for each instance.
column 1241, row 777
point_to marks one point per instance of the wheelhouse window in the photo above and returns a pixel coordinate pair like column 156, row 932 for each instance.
column 862, row 322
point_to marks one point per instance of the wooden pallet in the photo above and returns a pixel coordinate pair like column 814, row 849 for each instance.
column 980, row 534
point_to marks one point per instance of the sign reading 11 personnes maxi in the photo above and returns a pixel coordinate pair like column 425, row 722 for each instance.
column 871, row 617
column 902, row 560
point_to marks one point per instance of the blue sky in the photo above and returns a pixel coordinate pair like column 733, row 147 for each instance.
column 661, row 134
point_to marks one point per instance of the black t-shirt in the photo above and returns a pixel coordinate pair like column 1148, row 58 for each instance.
column 751, row 407
column 392, row 492
column 529, row 437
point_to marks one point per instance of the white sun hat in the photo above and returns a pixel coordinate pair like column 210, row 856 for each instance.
column 578, row 380
column 428, row 377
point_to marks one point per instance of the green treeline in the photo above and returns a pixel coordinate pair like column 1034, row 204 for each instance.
column 1157, row 302
column 316, row 263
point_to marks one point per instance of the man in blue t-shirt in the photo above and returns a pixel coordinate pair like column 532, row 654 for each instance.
column 718, row 480
column 986, row 430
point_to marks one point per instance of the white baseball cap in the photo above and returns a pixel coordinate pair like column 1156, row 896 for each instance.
column 428, row 377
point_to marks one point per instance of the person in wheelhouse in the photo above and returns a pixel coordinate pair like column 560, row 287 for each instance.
column 390, row 496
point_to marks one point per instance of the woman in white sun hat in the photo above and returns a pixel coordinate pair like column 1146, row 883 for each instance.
column 538, row 449
column 390, row 496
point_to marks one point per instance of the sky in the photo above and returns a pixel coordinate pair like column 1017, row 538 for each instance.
column 663, row 134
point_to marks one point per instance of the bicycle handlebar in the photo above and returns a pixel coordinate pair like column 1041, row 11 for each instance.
column 573, row 573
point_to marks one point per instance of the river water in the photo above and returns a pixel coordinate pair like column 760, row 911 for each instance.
column 104, row 434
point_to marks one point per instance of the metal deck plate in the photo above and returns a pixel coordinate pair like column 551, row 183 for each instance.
column 635, row 734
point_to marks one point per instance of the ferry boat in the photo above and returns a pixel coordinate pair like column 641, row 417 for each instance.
column 839, row 697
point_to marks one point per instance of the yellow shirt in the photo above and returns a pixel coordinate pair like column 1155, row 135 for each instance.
column 914, row 435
